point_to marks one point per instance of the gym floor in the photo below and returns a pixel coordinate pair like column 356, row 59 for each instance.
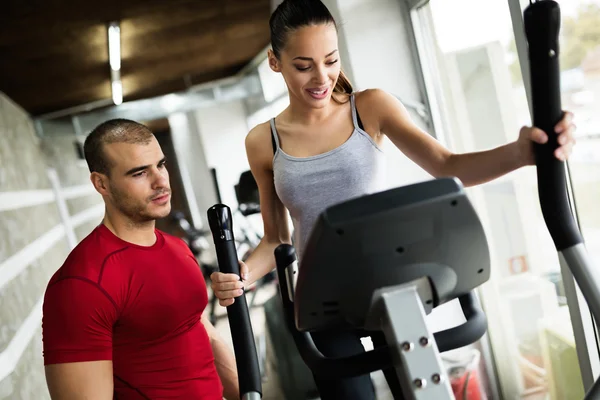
column 271, row 390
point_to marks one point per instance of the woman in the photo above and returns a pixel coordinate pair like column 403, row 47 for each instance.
column 326, row 149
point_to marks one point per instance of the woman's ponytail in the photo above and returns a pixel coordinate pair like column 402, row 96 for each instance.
column 343, row 85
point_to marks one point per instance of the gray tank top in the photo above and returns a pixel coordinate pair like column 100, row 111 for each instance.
column 308, row 185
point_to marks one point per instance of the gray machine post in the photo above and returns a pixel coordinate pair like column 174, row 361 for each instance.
column 419, row 365
column 542, row 26
column 382, row 262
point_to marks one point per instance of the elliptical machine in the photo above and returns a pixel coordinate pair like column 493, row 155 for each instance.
column 381, row 263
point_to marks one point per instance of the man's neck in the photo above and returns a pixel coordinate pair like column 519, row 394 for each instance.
column 141, row 234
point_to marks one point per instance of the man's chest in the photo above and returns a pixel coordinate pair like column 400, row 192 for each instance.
column 163, row 298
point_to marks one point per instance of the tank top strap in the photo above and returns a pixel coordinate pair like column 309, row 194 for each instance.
column 274, row 136
column 354, row 113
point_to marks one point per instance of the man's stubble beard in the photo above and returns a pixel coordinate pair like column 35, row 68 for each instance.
column 134, row 210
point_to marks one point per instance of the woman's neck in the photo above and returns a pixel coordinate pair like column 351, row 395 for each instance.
column 299, row 112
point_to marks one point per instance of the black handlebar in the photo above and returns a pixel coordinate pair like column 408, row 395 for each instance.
column 381, row 357
column 221, row 225
column 542, row 26
column 469, row 332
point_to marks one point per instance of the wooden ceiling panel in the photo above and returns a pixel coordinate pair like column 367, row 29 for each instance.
column 52, row 38
column 140, row 49
column 160, row 22
column 21, row 13
column 52, row 75
column 62, row 94
column 54, row 53
column 236, row 6
column 66, row 63
column 168, row 69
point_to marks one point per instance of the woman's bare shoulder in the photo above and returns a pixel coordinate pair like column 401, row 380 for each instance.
column 259, row 144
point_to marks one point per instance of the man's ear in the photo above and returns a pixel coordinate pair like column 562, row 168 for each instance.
column 274, row 63
column 100, row 182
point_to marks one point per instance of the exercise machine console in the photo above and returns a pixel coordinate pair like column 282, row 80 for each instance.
column 382, row 262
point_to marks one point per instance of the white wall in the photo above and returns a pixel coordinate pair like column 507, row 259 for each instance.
column 378, row 39
column 223, row 130
column 47, row 204
column 193, row 166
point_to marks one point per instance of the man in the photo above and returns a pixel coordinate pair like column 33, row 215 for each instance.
column 122, row 317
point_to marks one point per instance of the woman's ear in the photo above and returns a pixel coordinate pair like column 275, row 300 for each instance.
column 274, row 63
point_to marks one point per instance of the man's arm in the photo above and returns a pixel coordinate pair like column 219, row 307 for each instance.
column 92, row 380
column 224, row 361
column 77, row 325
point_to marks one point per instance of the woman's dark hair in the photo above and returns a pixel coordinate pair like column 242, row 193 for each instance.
column 293, row 14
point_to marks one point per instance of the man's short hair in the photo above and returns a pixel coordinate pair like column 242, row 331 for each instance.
column 117, row 130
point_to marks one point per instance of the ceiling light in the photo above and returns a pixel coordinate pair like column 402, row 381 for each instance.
column 114, row 46
column 114, row 58
column 117, row 92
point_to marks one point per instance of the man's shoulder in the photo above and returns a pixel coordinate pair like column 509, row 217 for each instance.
column 172, row 240
column 88, row 258
column 178, row 245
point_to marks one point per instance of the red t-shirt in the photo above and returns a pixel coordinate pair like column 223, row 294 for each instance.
column 139, row 307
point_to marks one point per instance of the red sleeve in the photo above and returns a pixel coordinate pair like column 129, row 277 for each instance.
column 78, row 317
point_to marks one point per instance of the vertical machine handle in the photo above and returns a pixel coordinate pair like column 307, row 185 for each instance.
column 221, row 226
column 542, row 26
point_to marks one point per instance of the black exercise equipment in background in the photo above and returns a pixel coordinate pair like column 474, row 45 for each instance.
column 246, row 192
column 213, row 174
column 196, row 238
